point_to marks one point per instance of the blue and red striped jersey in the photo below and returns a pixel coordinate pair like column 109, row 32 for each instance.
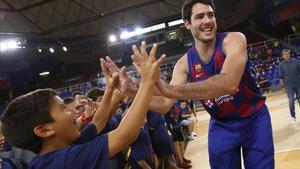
column 244, row 103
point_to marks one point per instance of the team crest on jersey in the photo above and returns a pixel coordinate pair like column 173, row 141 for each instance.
column 199, row 70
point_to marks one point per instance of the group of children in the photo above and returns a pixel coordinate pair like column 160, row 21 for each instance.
column 160, row 143
column 98, row 130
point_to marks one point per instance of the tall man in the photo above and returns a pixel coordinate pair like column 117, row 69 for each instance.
column 289, row 74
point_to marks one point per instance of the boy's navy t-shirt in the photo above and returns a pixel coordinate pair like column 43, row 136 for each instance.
column 87, row 134
column 110, row 125
column 161, row 138
column 141, row 149
column 6, row 163
column 91, row 155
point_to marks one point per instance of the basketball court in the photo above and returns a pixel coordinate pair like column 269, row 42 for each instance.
column 286, row 135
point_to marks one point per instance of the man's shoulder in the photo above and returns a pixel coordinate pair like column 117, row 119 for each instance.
column 295, row 60
column 233, row 37
column 230, row 35
column 282, row 63
column 182, row 60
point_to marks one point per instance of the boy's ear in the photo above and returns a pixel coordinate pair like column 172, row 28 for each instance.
column 44, row 130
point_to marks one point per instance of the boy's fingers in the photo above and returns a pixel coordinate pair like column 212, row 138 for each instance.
column 114, row 79
column 103, row 61
column 137, row 67
column 143, row 48
column 161, row 59
column 104, row 70
column 123, row 72
column 136, row 52
column 134, row 58
column 108, row 59
column 153, row 51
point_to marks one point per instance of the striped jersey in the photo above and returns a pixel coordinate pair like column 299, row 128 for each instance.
column 244, row 103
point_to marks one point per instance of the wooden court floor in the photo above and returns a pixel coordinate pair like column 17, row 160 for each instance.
column 286, row 135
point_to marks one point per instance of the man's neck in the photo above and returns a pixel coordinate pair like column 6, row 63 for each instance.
column 205, row 50
column 288, row 60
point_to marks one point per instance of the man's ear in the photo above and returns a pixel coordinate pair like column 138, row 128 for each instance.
column 187, row 24
column 44, row 130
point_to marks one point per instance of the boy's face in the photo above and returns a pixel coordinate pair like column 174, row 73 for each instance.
column 1, row 140
column 99, row 99
column 203, row 23
column 75, row 107
column 183, row 105
column 78, row 97
column 64, row 124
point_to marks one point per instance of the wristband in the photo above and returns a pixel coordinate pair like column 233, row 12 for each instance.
column 83, row 118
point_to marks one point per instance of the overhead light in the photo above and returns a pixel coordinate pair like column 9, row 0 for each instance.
column 44, row 73
column 112, row 38
column 154, row 28
column 138, row 31
column 3, row 46
column 176, row 22
column 11, row 44
column 65, row 48
column 51, row 50
column 124, row 35
column 40, row 50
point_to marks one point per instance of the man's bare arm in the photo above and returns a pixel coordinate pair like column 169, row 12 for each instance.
column 158, row 104
column 225, row 83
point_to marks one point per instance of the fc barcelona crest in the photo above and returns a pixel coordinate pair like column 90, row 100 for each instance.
column 199, row 70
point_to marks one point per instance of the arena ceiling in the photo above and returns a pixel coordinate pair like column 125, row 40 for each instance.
column 71, row 18
column 79, row 24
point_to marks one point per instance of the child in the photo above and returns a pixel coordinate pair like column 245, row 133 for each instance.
column 5, row 163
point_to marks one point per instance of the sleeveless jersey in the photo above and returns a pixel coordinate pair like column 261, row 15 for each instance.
column 244, row 103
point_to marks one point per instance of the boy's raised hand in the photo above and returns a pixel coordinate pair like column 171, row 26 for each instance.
column 110, row 79
column 146, row 65
column 124, row 83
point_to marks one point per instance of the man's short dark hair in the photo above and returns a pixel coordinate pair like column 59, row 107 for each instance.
column 68, row 100
column 187, row 6
column 285, row 50
column 23, row 114
column 94, row 93
column 76, row 93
